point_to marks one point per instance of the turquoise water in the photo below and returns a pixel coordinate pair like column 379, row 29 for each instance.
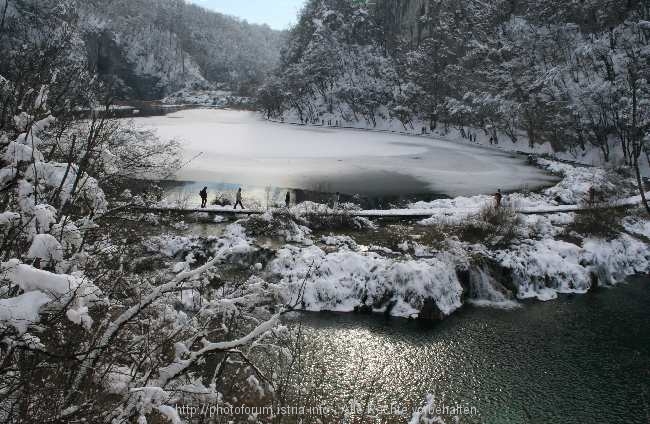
column 579, row 359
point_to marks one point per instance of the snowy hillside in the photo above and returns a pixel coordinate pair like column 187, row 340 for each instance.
column 159, row 47
column 120, row 303
column 541, row 74
column 147, row 49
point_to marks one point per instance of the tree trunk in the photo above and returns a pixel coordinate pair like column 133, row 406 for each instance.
column 626, row 154
column 637, row 136
column 639, row 181
column 4, row 16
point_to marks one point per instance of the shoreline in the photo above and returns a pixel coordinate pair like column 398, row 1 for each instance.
column 431, row 173
column 545, row 258
column 436, row 267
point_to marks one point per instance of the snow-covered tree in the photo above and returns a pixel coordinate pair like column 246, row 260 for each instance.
column 86, row 332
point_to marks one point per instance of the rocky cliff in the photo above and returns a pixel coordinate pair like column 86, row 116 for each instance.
column 402, row 19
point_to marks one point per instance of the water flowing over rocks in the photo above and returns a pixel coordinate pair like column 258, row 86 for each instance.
column 429, row 278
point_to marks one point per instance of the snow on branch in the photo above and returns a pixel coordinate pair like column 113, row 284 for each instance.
column 178, row 367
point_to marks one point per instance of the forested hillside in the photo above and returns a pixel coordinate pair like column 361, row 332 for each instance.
column 69, row 297
column 570, row 74
column 147, row 49
column 171, row 44
column 114, row 309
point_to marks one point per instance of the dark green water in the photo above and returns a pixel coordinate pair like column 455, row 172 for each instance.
column 579, row 359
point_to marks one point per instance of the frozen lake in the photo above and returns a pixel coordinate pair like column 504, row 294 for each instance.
column 240, row 148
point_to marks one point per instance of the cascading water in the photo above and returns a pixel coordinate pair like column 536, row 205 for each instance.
column 484, row 291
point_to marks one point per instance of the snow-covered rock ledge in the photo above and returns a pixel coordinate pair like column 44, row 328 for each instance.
column 436, row 285
column 544, row 268
column 348, row 280
column 540, row 263
column 417, row 275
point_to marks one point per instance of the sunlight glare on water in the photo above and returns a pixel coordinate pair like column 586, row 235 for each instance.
column 579, row 359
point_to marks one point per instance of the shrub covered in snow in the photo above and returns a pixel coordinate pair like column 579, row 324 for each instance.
column 319, row 216
column 87, row 335
column 278, row 223
column 492, row 226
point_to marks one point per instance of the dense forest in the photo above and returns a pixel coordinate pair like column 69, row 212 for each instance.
column 70, row 294
column 571, row 74
column 112, row 313
column 146, row 49
column 170, row 44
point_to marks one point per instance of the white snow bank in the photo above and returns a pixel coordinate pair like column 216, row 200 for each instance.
column 16, row 153
column 543, row 268
column 7, row 175
column 614, row 260
column 341, row 281
column 54, row 175
column 576, row 181
column 70, row 235
column 545, row 226
column 233, row 243
column 9, row 218
column 44, row 217
column 546, row 264
column 340, row 241
column 73, row 292
column 46, row 248
column 637, row 226
column 22, row 311
column 169, row 245
column 450, row 211
column 473, row 202
column 570, row 194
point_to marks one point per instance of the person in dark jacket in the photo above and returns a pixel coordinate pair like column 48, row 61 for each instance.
column 591, row 193
column 287, row 199
column 336, row 200
column 204, row 197
column 238, row 199
column 498, row 197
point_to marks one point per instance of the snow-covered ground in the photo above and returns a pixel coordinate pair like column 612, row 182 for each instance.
column 203, row 98
column 337, row 273
column 241, row 148
column 570, row 193
column 591, row 156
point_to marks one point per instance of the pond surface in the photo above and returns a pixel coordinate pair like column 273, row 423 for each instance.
column 579, row 359
column 232, row 148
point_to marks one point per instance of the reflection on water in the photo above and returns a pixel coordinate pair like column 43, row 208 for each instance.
column 186, row 193
column 581, row 359
column 240, row 148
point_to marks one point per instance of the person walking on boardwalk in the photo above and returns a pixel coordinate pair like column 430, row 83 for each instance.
column 204, row 197
column 287, row 199
column 238, row 199
column 336, row 200
column 591, row 193
column 498, row 197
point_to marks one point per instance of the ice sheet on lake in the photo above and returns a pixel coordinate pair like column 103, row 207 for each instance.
column 239, row 147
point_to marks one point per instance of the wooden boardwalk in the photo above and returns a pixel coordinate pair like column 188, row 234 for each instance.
column 394, row 213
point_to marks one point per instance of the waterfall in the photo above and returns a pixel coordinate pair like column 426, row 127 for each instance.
column 484, row 291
